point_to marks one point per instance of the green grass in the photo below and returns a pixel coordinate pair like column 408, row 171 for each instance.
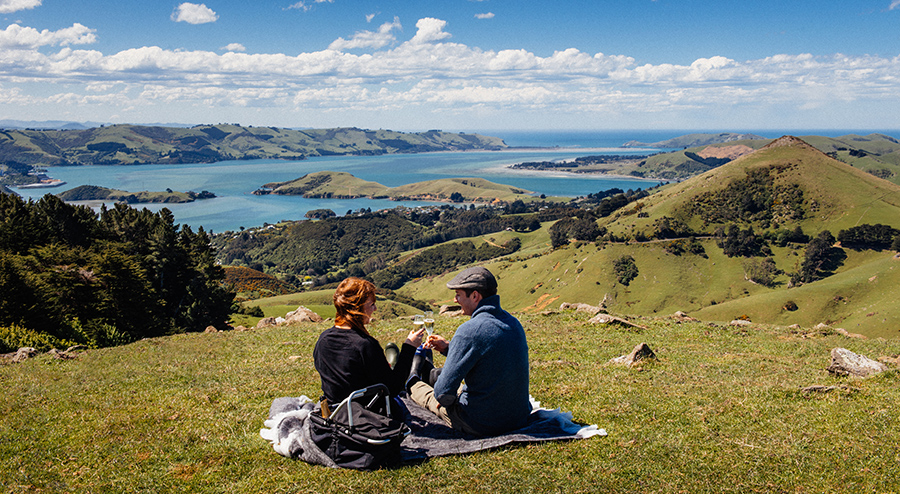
column 721, row 410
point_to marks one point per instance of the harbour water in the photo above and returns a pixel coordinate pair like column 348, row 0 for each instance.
column 234, row 181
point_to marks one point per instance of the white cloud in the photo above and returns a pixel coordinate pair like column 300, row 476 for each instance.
column 305, row 6
column 429, row 30
column 368, row 39
column 18, row 37
column 369, row 17
column 193, row 13
column 425, row 79
column 10, row 6
column 234, row 47
column 490, row 15
column 894, row 4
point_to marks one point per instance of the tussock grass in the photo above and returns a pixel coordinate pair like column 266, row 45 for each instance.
column 721, row 410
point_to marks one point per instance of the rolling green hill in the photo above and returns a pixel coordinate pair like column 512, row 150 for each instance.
column 876, row 154
column 833, row 196
column 134, row 144
column 345, row 185
column 859, row 295
column 325, row 184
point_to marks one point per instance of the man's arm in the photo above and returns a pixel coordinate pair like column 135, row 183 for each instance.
column 463, row 354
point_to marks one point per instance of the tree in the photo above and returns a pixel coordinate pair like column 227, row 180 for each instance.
column 821, row 257
column 585, row 229
column 626, row 269
column 761, row 271
column 559, row 232
column 867, row 236
column 126, row 275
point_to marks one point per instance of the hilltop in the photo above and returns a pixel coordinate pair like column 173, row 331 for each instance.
column 877, row 154
column 677, row 240
column 135, row 144
column 344, row 185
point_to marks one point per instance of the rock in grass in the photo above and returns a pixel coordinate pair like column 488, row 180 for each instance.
column 603, row 318
column 450, row 311
column 846, row 363
column 302, row 314
column 640, row 352
column 590, row 309
column 266, row 322
column 23, row 354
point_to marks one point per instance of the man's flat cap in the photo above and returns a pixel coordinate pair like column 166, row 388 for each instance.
column 477, row 278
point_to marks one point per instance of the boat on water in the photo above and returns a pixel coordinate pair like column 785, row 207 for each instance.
column 43, row 184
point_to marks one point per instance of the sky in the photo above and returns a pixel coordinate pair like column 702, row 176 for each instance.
column 455, row 65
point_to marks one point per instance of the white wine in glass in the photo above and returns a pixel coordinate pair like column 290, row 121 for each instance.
column 429, row 322
column 418, row 321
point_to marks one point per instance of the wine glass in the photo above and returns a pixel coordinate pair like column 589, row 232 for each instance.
column 429, row 322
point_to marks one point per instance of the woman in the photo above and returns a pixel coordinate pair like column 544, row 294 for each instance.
column 347, row 357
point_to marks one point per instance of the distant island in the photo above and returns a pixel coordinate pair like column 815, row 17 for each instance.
column 96, row 193
column 342, row 185
column 136, row 144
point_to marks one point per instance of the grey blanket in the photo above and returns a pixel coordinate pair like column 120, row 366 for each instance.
column 288, row 431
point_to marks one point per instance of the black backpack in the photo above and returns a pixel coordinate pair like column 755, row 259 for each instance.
column 362, row 432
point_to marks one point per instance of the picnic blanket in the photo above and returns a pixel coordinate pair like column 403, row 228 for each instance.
column 288, row 431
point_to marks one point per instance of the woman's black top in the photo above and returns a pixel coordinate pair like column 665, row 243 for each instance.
column 348, row 360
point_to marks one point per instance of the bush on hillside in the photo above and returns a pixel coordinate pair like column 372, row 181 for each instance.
column 876, row 237
column 821, row 258
column 761, row 271
column 736, row 242
column 755, row 198
column 626, row 269
column 685, row 245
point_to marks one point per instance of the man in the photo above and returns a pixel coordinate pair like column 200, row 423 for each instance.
column 489, row 352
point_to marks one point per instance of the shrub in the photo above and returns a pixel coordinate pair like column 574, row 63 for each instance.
column 14, row 337
column 761, row 271
column 626, row 269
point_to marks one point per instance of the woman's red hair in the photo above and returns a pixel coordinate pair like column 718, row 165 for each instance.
column 349, row 298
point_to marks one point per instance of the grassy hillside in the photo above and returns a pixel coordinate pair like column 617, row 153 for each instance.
column 876, row 154
column 326, row 184
column 836, row 196
column 722, row 409
column 467, row 189
column 345, row 185
column 859, row 296
column 133, row 144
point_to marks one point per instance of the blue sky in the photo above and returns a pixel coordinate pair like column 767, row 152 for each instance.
column 455, row 64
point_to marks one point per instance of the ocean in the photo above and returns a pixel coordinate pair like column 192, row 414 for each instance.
column 234, row 181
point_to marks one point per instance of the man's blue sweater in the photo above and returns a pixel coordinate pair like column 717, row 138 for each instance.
column 489, row 351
